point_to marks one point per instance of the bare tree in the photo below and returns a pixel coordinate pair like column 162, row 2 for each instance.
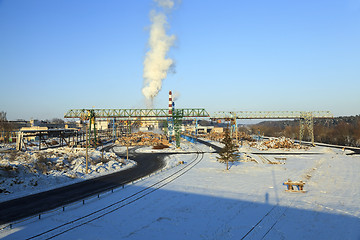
column 5, row 126
column 3, row 116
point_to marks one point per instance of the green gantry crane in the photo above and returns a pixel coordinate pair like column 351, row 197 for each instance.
column 138, row 115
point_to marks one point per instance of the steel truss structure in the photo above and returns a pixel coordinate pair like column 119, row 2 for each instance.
column 137, row 115
column 272, row 114
column 134, row 113
column 306, row 118
column 177, row 120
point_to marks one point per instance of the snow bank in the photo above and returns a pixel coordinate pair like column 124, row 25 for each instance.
column 24, row 173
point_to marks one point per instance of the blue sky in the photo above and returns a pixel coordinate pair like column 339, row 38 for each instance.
column 230, row 55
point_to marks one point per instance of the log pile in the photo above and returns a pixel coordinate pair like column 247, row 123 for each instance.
column 276, row 143
column 216, row 136
column 245, row 136
column 144, row 139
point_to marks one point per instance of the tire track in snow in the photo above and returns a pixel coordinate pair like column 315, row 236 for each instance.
column 273, row 216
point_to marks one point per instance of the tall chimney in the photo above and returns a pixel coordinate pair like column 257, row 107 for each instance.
column 170, row 103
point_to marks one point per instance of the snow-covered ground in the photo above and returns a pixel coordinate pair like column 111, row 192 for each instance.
column 185, row 147
column 30, row 172
column 248, row 201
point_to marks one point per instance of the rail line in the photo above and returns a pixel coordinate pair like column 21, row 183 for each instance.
column 73, row 224
column 268, row 221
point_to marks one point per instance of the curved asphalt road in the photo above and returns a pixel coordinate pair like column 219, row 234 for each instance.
column 23, row 207
column 33, row 204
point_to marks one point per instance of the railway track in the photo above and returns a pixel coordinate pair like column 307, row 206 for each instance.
column 268, row 221
column 78, row 222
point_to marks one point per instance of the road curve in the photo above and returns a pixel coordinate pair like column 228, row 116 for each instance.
column 19, row 208
column 30, row 205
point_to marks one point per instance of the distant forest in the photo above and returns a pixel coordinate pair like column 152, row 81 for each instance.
column 339, row 130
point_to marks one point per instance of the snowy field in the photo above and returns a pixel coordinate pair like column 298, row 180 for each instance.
column 207, row 202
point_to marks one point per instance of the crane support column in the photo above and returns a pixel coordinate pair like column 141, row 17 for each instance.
column 307, row 120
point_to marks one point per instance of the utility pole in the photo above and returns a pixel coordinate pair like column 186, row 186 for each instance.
column 236, row 128
column 102, row 152
column 114, row 133
column 87, row 144
column 196, row 127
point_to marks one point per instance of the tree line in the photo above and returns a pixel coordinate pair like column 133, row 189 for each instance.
column 339, row 131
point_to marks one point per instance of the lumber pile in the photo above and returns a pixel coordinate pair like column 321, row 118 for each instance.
column 144, row 139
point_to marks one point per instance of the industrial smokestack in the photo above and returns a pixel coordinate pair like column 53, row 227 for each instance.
column 170, row 118
column 170, row 103
column 157, row 63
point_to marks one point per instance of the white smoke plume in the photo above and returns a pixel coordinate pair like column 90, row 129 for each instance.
column 157, row 63
column 175, row 95
column 165, row 3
